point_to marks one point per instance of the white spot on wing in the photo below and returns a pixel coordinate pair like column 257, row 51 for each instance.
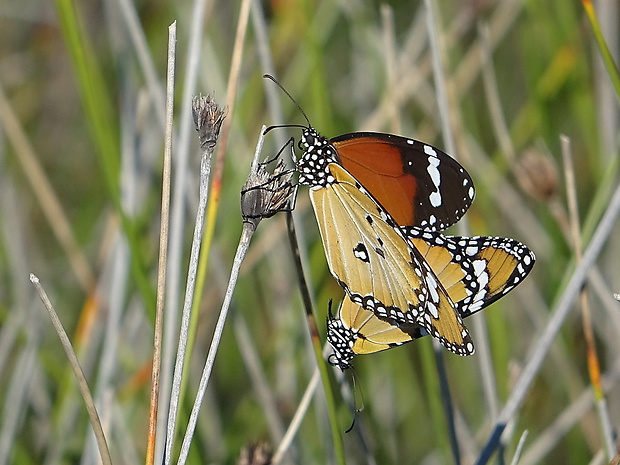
column 430, row 151
column 471, row 251
column 433, row 172
column 432, row 287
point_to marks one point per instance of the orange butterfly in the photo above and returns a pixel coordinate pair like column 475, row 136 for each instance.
column 369, row 255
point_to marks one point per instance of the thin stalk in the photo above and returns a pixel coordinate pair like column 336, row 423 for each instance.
column 218, row 169
column 179, row 208
column 559, row 314
column 594, row 369
column 608, row 59
column 316, row 343
column 517, row 456
column 262, row 196
column 446, row 398
column 208, row 118
column 163, row 246
column 244, row 243
column 300, row 413
column 77, row 371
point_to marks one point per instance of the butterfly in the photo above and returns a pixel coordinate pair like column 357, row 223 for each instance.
column 475, row 272
column 363, row 188
column 370, row 256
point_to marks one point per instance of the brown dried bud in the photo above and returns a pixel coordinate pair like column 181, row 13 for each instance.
column 265, row 194
column 255, row 454
column 208, row 118
column 537, row 175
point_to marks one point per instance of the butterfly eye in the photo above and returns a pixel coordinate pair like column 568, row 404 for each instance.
column 333, row 360
column 308, row 139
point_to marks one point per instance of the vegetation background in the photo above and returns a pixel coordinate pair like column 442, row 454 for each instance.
column 81, row 140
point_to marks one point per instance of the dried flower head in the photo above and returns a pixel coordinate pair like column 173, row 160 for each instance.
column 255, row 454
column 537, row 175
column 208, row 118
column 265, row 194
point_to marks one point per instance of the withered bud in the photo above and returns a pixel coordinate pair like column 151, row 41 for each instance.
column 208, row 118
column 537, row 175
column 255, row 454
column 265, row 194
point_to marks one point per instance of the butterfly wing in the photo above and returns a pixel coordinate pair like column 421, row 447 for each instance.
column 475, row 272
column 356, row 330
column 377, row 266
column 419, row 185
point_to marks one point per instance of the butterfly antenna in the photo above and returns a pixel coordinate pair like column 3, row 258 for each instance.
column 329, row 309
column 271, row 78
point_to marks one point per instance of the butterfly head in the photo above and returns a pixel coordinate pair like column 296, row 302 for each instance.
column 318, row 153
column 317, row 150
column 341, row 339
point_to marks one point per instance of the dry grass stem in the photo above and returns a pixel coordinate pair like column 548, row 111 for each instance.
column 556, row 320
column 77, row 371
column 163, row 245
column 178, row 210
column 208, row 117
column 269, row 186
column 586, row 318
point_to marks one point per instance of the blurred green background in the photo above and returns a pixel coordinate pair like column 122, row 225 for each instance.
column 81, row 139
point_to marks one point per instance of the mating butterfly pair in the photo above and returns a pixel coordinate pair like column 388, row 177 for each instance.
column 380, row 201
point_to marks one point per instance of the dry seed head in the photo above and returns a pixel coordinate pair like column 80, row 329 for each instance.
column 255, row 454
column 208, row 118
column 265, row 194
column 537, row 175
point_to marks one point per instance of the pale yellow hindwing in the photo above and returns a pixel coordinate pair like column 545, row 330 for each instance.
column 372, row 333
column 449, row 272
column 377, row 266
